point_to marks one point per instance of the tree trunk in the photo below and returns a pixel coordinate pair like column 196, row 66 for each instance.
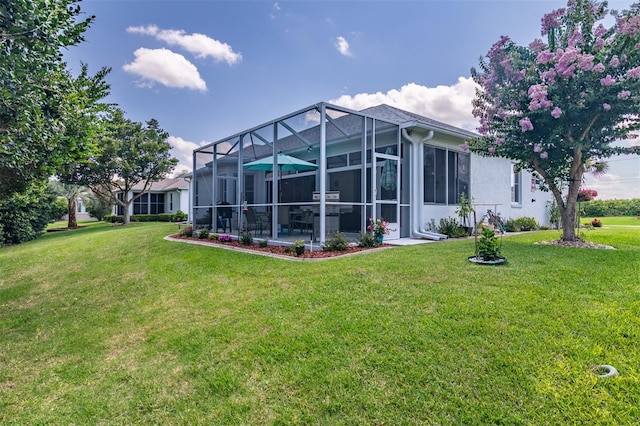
column 568, row 217
column 71, row 213
column 127, row 215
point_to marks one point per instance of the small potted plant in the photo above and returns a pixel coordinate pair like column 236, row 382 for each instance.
column 378, row 228
column 596, row 223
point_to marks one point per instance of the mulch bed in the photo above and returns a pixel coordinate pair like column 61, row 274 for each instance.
column 279, row 251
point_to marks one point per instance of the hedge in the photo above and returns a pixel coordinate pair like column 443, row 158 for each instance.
column 161, row 217
column 604, row 208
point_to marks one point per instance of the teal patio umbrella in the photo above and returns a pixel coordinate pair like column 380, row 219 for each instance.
column 285, row 163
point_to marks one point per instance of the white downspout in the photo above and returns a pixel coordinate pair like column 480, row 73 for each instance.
column 418, row 188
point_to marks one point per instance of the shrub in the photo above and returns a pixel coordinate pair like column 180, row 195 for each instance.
column 114, row 219
column 450, row 227
column 263, row 243
column 214, row 236
column 187, row 231
column 297, row 247
column 179, row 216
column 604, row 208
column 338, row 242
column 489, row 245
column 203, row 234
column 521, row 224
column 246, row 239
column 59, row 208
column 24, row 216
column 366, row 239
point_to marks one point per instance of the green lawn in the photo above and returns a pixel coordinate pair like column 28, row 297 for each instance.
column 114, row 325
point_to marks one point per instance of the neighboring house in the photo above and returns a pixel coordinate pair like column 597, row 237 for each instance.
column 419, row 172
column 165, row 196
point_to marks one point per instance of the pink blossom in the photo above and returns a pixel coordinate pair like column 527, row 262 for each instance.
column 599, row 68
column 525, row 124
column 465, row 146
column 537, row 45
column 499, row 141
column 600, row 31
column 544, row 155
column 607, row 81
column 492, row 149
column 628, row 25
column 537, row 147
column 585, row 62
column 606, row 106
column 556, row 113
column 551, row 21
column 549, row 75
column 634, row 72
column 544, row 57
column 624, row 94
column 599, row 43
column 575, row 37
column 614, row 62
column 538, row 95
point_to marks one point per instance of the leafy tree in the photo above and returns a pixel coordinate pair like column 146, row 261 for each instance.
column 130, row 153
column 34, row 100
column 555, row 108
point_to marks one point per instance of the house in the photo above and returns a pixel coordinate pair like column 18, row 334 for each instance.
column 381, row 162
column 165, row 196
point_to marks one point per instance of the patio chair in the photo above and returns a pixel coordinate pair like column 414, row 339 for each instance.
column 303, row 220
column 255, row 220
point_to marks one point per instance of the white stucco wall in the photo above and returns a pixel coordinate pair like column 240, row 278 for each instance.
column 491, row 184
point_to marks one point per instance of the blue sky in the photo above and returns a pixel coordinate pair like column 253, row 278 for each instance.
column 207, row 69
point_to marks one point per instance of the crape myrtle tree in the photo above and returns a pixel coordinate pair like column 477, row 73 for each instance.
column 129, row 153
column 556, row 107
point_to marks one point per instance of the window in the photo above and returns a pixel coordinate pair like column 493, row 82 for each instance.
column 140, row 205
column 516, row 185
column 446, row 175
column 157, row 203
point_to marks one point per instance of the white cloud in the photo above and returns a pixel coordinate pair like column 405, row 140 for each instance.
column 199, row 45
column 449, row 104
column 165, row 67
column 183, row 151
column 343, row 46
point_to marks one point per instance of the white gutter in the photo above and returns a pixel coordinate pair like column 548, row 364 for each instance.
column 417, row 185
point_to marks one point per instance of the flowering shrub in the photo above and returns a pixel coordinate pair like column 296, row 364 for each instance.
column 596, row 223
column 378, row 227
column 224, row 238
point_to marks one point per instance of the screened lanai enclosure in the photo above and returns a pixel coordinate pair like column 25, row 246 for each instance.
column 307, row 175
